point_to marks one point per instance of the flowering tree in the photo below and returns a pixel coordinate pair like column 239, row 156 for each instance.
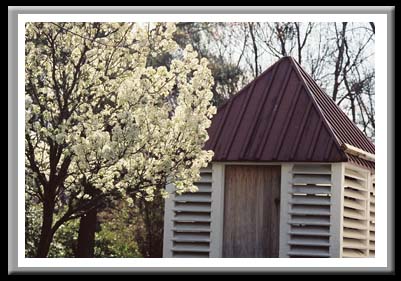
column 101, row 121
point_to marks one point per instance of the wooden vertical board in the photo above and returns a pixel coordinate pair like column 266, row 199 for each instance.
column 336, row 210
column 275, row 200
column 168, row 223
column 286, row 176
column 251, row 211
column 216, row 235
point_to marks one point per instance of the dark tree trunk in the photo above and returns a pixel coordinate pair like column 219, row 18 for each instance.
column 148, row 225
column 149, row 233
column 154, row 227
column 86, row 235
column 46, row 233
column 353, row 113
column 339, row 60
column 255, row 49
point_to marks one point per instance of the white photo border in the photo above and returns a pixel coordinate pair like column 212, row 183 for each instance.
column 381, row 254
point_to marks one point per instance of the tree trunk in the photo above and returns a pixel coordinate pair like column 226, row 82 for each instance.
column 154, row 227
column 255, row 48
column 339, row 60
column 353, row 114
column 86, row 235
column 148, row 225
column 46, row 234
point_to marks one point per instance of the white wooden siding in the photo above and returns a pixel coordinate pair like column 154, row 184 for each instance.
column 327, row 210
column 187, row 221
column 305, row 210
column 372, row 218
column 356, row 214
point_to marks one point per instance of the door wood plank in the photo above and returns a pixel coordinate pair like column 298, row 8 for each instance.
column 251, row 211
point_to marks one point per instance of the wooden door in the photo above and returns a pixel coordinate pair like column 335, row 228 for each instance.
column 251, row 211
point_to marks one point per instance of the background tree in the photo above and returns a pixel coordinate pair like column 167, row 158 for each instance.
column 214, row 42
column 149, row 227
column 339, row 56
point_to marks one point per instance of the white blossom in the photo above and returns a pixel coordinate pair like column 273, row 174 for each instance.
column 115, row 120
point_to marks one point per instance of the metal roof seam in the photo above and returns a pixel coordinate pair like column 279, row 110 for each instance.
column 337, row 142
column 316, row 133
column 330, row 106
column 346, row 134
column 318, row 99
column 251, row 131
column 313, row 90
column 300, row 131
column 287, row 122
column 224, row 104
column 328, row 149
column 283, row 87
column 239, row 118
column 226, row 111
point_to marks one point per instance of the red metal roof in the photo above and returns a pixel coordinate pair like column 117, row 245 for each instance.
column 284, row 116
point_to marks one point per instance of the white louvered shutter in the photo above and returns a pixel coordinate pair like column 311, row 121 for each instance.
column 355, row 241
column 191, row 220
column 309, row 211
column 372, row 218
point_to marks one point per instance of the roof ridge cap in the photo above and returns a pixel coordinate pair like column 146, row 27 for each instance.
column 254, row 80
column 362, row 137
column 296, row 66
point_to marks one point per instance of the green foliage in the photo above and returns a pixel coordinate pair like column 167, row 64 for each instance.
column 65, row 240
column 33, row 220
column 116, row 238
column 149, row 226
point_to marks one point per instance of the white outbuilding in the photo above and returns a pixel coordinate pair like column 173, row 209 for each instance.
column 292, row 176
